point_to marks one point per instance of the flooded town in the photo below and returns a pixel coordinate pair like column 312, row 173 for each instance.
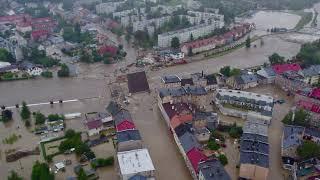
column 159, row 89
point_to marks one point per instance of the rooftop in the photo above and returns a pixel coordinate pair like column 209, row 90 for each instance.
column 281, row 68
column 213, row 170
column 187, row 81
column 94, row 124
column 128, row 135
column 137, row 82
column 258, row 159
column 113, row 108
column 249, row 171
column 196, row 156
column 311, row 71
column 189, row 141
column 135, row 161
column 122, row 115
column 125, row 125
column 255, row 128
column 170, row 79
column 246, row 95
column 312, row 132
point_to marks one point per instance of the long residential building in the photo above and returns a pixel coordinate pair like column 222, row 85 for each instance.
column 108, row 7
column 164, row 40
column 243, row 104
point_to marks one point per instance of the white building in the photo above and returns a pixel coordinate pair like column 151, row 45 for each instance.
column 109, row 7
column 34, row 71
column 134, row 162
column 164, row 40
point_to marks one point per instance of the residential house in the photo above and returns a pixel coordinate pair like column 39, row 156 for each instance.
column 208, row 120
column 266, row 75
column 123, row 121
column 39, row 35
column 24, row 27
column 135, row 162
column 313, row 110
column 138, row 82
column 212, row 170
column 10, row 68
column 311, row 74
column 196, row 156
column 113, row 108
column 34, row 71
column 177, row 114
column 106, row 118
column 171, row 81
column 94, row 127
column 243, row 81
column 291, row 139
column 313, row 134
column 212, row 83
column 187, row 82
column 128, row 140
column 241, row 104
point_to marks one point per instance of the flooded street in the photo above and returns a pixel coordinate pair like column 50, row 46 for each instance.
column 92, row 91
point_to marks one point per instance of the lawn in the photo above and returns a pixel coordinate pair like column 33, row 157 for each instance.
column 306, row 17
column 50, row 148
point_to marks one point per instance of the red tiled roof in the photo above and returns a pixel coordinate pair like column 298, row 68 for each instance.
column 41, row 20
column 196, row 156
column 14, row 18
column 94, row 124
column 315, row 93
column 178, row 107
column 125, row 125
column 24, row 24
column 309, row 106
column 281, row 68
column 39, row 33
column 110, row 49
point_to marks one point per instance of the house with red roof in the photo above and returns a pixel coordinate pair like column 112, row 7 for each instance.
column 312, row 106
column 195, row 156
column 24, row 26
column 39, row 35
column 108, row 49
column 125, row 125
column 282, row 68
column 177, row 114
column 44, row 24
column 94, row 127
column 13, row 19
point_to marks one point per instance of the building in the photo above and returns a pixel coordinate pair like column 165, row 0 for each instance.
column 177, row 114
column 244, row 81
column 94, row 127
column 266, row 75
column 34, row 71
column 171, row 81
column 209, row 120
column 135, row 162
column 164, row 40
column 39, row 35
column 137, row 82
column 241, row 104
column 128, row 140
column 123, row 121
column 313, row 110
column 212, row 170
column 14, row 49
column 311, row 74
column 108, row 7
column 10, row 68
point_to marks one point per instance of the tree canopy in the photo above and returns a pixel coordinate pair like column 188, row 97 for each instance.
column 308, row 149
column 39, row 118
column 228, row 72
column 25, row 112
column 300, row 118
column 64, row 71
column 248, row 42
column 6, row 115
column 275, row 58
column 309, row 53
column 41, row 171
column 6, row 56
column 175, row 42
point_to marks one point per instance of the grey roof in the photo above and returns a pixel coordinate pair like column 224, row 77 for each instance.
column 175, row 92
column 211, row 79
column 311, row 71
column 312, row 132
column 171, row 79
column 211, row 117
column 254, row 158
column 8, row 68
column 292, row 136
column 129, row 135
column 138, row 177
column 254, row 146
column 249, row 78
column 213, row 170
column 255, row 128
column 188, row 141
column 187, row 81
column 113, row 108
column 195, row 90
column 270, row 71
column 254, row 137
column 182, row 129
column 121, row 116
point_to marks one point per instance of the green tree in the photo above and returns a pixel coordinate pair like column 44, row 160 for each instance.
column 70, row 133
column 235, row 131
column 248, row 42
column 39, row 118
column 47, row 74
column 55, row 117
column 308, row 149
column 14, row 176
column 25, row 112
column 223, row 159
column 6, row 115
column 191, row 37
column 82, row 175
column 64, row 71
column 40, row 171
column 225, row 71
column 175, row 43
column 212, row 145
column 6, row 56
column 301, row 118
column 275, row 58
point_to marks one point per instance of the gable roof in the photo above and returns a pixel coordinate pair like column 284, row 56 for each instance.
column 137, row 82
column 122, row 115
column 196, row 156
column 213, row 170
column 125, row 125
column 189, row 141
column 170, row 79
column 291, row 136
column 315, row 93
column 174, row 109
column 187, row 81
column 281, row 68
column 128, row 135
column 94, row 124
column 113, row 108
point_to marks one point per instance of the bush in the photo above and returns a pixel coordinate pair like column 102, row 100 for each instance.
column 212, row 145
column 70, row 133
column 100, row 162
column 25, row 112
column 55, row 117
column 223, row 159
column 41, row 171
column 235, row 131
column 6, row 116
column 47, row 74
column 39, row 118
column 64, row 71
column 308, row 149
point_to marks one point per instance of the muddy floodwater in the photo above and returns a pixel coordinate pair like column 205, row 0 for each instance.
column 269, row 19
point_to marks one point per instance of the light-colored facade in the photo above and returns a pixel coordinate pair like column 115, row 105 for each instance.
column 135, row 162
column 109, row 7
column 164, row 40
